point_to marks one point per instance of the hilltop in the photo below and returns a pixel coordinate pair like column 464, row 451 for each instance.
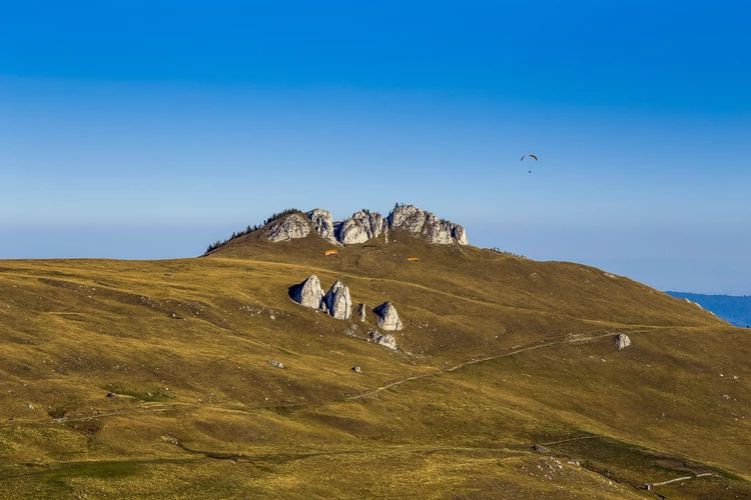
column 202, row 377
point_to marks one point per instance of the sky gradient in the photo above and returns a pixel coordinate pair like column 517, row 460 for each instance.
column 135, row 130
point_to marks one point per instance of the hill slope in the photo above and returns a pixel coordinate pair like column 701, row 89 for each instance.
column 498, row 353
column 733, row 309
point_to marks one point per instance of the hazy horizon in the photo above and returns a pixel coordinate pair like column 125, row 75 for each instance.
column 147, row 131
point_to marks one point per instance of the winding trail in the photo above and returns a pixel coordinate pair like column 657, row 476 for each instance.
column 539, row 345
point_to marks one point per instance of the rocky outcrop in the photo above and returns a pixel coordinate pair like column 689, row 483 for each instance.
column 622, row 341
column 388, row 318
column 420, row 222
column 384, row 339
column 365, row 225
column 322, row 223
column 362, row 312
column 308, row 293
column 289, row 227
column 338, row 301
column 361, row 227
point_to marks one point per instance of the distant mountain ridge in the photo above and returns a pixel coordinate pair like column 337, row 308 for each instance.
column 735, row 309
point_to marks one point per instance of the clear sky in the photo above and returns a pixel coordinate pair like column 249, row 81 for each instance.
column 148, row 129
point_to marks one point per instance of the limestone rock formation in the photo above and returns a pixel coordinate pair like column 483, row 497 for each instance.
column 388, row 318
column 384, row 339
column 338, row 301
column 323, row 224
column 308, row 293
column 361, row 227
column 420, row 222
column 365, row 225
column 362, row 311
column 290, row 227
column 622, row 341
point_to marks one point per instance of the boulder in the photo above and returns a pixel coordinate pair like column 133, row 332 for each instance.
column 308, row 293
column 388, row 318
column 540, row 448
column 276, row 364
column 338, row 301
column 361, row 227
column 322, row 223
column 357, row 369
column 384, row 339
column 289, row 227
column 362, row 311
column 622, row 341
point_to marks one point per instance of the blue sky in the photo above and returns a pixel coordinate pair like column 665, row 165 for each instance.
column 148, row 129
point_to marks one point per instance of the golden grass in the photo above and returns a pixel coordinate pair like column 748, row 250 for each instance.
column 498, row 353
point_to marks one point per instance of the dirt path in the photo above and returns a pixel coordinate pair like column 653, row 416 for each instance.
column 490, row 358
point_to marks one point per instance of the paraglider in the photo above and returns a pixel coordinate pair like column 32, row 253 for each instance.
column 529, row 156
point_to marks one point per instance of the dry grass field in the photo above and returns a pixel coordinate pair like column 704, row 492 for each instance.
column 151, row 379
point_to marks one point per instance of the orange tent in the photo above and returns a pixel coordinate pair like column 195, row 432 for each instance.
column 413, row 259
column 330, row 252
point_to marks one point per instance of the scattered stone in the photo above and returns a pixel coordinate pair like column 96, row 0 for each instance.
column 384, row 339
column 357, row 369
column 540, row 448
column 338, row 301
column 362, row 311
column 111, row 395
column 276, row 364
column 388, row 318
column 622, row 341
column 170, row 440
column 308, row 293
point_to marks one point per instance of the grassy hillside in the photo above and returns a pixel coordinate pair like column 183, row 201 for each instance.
column 152, row 379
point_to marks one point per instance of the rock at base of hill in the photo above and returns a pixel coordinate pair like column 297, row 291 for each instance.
column 308, row 293
column 384, row 339
column 338, row 301
column 622, row 341
column 388, row 318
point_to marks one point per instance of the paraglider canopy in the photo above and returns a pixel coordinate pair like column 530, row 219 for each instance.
column 529, row 155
